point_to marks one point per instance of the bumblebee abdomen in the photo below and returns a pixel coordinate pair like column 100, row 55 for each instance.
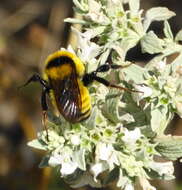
column 76, row 112
column 85, row 102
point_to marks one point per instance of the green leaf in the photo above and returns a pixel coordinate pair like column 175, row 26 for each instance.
column 167, row 30
column 150, row 43
column 170, row 147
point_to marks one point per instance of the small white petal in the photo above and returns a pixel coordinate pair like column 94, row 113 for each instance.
column 160, row 65
column 104, row 151
column 55, row 160
column 129, row 187
column 75, row 139
column 145, row 91
column 131, row 136
column 68, row 168
column 98, row 168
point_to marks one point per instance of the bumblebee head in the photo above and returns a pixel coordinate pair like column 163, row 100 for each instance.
column 61, row 63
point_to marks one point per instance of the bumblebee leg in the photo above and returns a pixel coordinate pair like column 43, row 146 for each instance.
column 44, row 110
column 46, row 88
column 36, row 78
column 108, row 84
column 107, row 67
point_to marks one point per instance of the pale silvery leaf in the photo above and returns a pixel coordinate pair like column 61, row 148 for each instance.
column 95, row 14
column 130, row 137
column 178, row 36
column 130, row 41
column 120, row 51
column 98, row 168
column 114, row 8
column 157, row 14
column 164, row 169
column 37, row 144
column 123, row 180
column 94, row 6
column 104, row 57
column 110, row 108
column 150, row 43
column 93, row 32
column 75, row 21
column 145, row 184
column 134, row 73
column 158, row 121
column 170, row 147
column 81, row 5
column 86, row 179
column 167, row 30
column 68, row 168
column 79, row 158
column 134, row 6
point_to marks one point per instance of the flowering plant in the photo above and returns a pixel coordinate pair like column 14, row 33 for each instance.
column 124, row 135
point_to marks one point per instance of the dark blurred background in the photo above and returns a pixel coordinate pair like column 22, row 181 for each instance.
column 29, row 31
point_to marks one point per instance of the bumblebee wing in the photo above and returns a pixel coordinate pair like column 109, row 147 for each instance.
column 68, row 97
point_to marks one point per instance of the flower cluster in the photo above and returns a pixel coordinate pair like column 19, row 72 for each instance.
column 124, row 135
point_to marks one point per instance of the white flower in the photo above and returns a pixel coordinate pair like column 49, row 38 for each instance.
column 75, row 139
column 104, row 151
column 68, row 168
column 88, row 50
column 130, row 137
column 144, row 91
column 129, row 187
column 160, row 66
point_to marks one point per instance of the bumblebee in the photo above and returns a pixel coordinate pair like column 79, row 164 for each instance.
column 66, row 83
